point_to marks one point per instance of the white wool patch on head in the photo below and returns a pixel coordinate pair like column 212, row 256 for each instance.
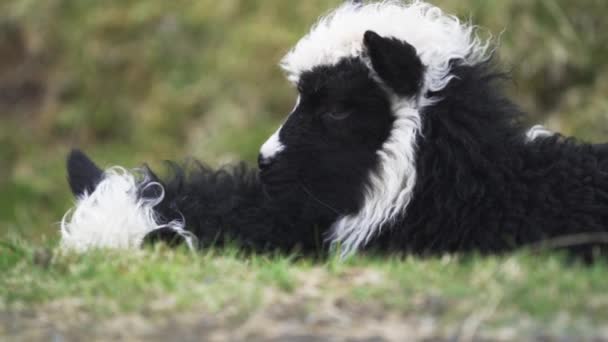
column 439, row 39
column 115, row 216
column 272, row 146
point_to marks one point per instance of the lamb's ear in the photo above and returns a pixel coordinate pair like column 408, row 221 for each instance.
column 396, row 62
column 83, row 174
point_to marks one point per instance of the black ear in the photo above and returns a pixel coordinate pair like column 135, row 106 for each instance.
column 83, row 174
column 396, row 62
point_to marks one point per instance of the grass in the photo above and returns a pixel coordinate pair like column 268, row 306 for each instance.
column 495, row 292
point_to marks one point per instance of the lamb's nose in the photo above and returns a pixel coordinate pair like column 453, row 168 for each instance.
column 264, row 162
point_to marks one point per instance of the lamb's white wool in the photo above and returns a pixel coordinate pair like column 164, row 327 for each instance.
column 390, row 187
column 538, row 131
column 438, row 38
column 115, row 216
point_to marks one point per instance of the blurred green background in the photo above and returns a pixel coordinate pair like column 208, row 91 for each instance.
column 134, row 81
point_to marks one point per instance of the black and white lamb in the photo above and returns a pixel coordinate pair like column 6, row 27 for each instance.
column 401, row 140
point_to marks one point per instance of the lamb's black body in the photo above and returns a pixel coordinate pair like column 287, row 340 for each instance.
column 481, row 187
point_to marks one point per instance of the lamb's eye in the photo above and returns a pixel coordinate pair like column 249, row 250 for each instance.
column 338, row 115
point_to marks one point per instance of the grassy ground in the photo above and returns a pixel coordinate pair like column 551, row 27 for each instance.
column 222, row 294
column 132, row 81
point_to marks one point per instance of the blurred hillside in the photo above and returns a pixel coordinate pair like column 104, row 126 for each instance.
column 132, row 81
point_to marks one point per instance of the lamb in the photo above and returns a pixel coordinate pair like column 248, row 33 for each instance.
column 401, row 140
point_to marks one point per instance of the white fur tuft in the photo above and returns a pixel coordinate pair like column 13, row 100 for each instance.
column 272, row 146
column 438, row 38
column 538, row 131
column 115, row 216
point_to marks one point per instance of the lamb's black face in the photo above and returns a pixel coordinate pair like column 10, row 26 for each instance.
column 328, row 145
